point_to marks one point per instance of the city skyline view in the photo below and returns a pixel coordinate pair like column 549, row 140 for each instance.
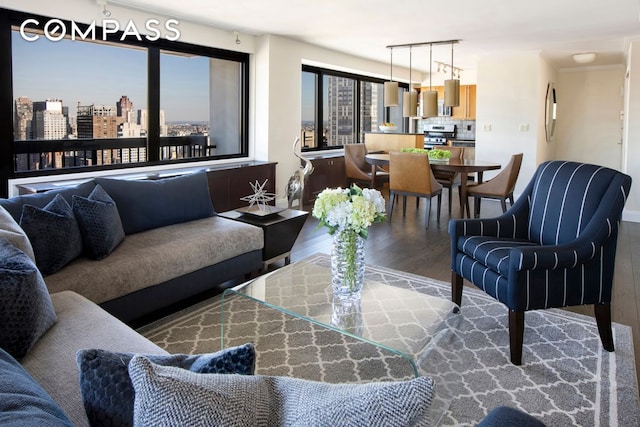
column 64, row 72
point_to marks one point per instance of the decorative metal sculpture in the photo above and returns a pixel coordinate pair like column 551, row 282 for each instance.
column 260, row 196
column 295, row 186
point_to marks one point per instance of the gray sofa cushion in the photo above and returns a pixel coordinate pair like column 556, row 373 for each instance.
column 148, row 204
column 155, row 256
column 23, row 401
column 81, row 324
column 10, row 230
column 54, row 234
column 107, row 390
column 14, row 204
column 170, row 396
column 99, row 222
column 26, row 311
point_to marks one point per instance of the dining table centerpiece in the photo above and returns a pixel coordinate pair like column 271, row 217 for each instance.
column 348, row 213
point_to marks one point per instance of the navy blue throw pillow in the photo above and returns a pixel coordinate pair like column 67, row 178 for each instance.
column 26, row 311
column 107, row 390
column 23, row 401
column 99, row 223
column 54, row 234
column 152, row 203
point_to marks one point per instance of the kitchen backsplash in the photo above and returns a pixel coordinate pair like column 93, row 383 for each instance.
column 465, row 129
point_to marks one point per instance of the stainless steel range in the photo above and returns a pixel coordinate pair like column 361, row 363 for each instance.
column 435, row 135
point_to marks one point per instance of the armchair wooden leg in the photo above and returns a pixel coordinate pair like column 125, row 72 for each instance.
column 603, row 319
column 516, row 333
column 404, row 206
column 428, row 214
column 440, row 206
column 457, row 282
column 503, row 204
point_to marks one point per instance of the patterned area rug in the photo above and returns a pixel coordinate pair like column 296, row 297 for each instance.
column 566, row 377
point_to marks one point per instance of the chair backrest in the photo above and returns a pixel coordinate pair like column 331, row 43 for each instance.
column 411, row 172
column 355, row 165
column 565, row 196
column 504, row 182
column 456, row 152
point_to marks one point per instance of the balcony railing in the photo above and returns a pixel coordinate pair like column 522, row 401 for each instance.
column 34, row 155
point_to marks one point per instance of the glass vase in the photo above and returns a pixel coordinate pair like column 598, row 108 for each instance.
column 347, row 263
column 346, row 314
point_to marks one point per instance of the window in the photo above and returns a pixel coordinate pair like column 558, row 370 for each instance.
column 87, row 104
column 339, row 108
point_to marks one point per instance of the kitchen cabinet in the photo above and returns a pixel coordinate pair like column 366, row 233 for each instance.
column 467, row 108
column 328, row 172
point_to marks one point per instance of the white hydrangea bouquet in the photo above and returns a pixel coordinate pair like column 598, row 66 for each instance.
column 348, row 213
column 349, row 209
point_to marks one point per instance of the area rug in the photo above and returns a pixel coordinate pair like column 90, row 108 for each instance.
column 566, row 377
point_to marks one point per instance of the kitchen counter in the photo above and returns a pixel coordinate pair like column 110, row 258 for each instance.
column 392, row 141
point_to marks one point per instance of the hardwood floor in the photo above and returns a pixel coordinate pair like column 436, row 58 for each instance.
column 404, row 244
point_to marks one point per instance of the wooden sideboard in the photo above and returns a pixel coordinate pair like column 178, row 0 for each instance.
column 328, row 172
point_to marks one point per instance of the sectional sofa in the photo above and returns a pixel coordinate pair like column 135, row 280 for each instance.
column 168, row 244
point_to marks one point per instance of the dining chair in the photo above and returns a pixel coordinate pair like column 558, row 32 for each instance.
column 450, row 179
column 555, row 247
column 499, row 187
column 357, row 169
column 410, row 174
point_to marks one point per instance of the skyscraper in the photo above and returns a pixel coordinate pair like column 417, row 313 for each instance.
column 22, row 119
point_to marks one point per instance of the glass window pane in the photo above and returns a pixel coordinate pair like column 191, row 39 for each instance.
column 309, row 101
column 371, row 107
column 338, row 109
column 200, row 106
column 63, row 96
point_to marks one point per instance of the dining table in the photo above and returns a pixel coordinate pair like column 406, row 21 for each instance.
column 462, row 166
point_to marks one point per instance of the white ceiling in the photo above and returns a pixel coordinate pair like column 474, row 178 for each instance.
column 556, row 28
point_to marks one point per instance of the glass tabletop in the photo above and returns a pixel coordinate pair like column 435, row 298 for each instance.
column 403, row 321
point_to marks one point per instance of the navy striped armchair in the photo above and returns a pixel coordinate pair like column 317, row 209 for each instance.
column 555, row 247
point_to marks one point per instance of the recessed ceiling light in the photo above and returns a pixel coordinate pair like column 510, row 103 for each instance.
column 584, row 58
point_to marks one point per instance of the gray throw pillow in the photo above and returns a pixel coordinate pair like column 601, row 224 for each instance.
column 26, row 311
column 99, row 223
column 23, row 402
column 10, row 230
column 54, row 234
column 107, row 391
column 169, row 396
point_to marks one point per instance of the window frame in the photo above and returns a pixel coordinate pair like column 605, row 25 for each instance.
column 319, row 101
column 11, row 18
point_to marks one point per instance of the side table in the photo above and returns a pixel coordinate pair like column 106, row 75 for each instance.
column 280, row 232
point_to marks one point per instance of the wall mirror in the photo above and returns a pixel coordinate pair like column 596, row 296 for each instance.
column 550, row 111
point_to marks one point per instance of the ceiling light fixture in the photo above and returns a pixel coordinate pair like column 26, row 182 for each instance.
column 584, row 58
column 430, row 97
column 391, row 87
column 452, row 87
column 105, row 12
column 238, row 41
column 410, row 98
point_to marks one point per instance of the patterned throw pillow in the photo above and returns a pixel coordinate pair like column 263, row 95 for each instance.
column 99, row 223
column 170, row 396
column 54, row 234
column 23, row 401
column 107, row 391
column 26, row 311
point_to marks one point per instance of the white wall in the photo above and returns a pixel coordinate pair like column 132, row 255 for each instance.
column 589, row 127
column 511, row 90
column 631, row 137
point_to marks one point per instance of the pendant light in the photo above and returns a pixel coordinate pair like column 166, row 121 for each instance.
column 391, row 88
column 410, row 98
column 451, row 88
column 430, row 97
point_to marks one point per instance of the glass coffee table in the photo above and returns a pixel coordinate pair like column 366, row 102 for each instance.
column 401, row 320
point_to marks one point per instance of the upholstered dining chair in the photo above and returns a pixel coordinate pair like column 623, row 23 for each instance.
column 450, row 179
column 555, row 247
column 499, row 187
column 357, row 169
column 410, row 174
